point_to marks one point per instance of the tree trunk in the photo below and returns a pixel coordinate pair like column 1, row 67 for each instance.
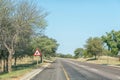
column 41, row 59
column 2, row 68
column 7, row 64
column 95, row 57
column 10, row 61
column 15, row 59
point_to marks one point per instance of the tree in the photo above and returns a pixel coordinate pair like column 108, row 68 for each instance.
column 47, row 46
column 17, row 22
column 112, row 40
column 85, row 54
column 69, row 56
column 64, row 55
column 94, row 46
column 78, row 52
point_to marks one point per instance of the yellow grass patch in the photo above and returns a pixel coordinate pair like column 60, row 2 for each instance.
column 101, row 60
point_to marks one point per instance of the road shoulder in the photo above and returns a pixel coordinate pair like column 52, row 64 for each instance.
column 35, row 72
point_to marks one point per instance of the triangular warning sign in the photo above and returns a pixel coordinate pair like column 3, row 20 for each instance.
column 37, row 53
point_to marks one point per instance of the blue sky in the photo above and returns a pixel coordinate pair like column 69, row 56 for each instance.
column 72, row 22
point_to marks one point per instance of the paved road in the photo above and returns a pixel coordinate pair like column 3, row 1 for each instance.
column 53, row 72
column 86, row 71
column 78, row 71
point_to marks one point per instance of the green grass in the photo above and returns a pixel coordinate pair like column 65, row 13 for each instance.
column 23, row 67
column 19, row 70
column 14, row 75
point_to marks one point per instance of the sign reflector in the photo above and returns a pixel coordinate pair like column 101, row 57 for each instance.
column 37, row 53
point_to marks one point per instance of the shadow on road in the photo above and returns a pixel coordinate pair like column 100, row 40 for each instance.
column 91, row 59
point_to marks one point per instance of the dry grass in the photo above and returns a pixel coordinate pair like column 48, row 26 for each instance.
column 24, row 66
column 26, row 60
column 101, row 60
column 108, row 60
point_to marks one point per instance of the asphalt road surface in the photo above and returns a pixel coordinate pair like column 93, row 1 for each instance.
column 64, row 69
column 52, row 72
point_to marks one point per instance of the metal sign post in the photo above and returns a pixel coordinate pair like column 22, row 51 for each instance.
column 37, row 60
column 38, row 53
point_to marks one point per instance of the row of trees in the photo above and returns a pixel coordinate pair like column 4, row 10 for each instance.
column 108, row 44
column 48, row 46
column 21, row 27
column 64, row 55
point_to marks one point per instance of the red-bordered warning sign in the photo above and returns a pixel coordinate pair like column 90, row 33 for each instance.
column 37, row 53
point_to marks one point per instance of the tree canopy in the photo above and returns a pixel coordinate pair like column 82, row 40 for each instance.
column 48, row 46
column 78, row 52
column 112, row 40
column 19, row 20
column 94, row 46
